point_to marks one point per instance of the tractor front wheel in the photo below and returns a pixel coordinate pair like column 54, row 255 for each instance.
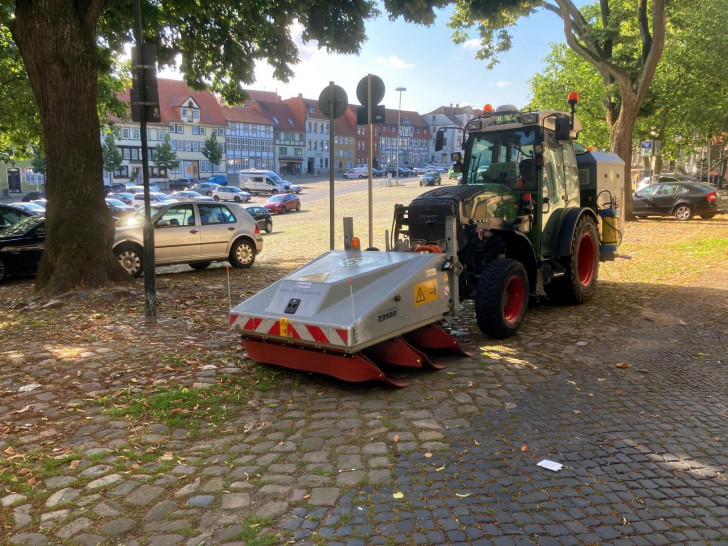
column 502, row 297
column 579, row 281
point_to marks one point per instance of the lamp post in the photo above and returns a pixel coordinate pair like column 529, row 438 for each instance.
column 399, row 114
column 723, row 135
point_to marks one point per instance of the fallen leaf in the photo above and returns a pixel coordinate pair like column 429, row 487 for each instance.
column 396, row 438
column 462, row 495
column 524, row 447
column 398, row 495
column 624, row 365
column 74, row 464
column 428, row 454
column 306, row 497
column 577, row 411
column 600, row 379
column 440, row 469
column 476, row 442
column 470, row 383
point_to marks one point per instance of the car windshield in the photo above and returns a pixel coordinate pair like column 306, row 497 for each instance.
column 499, row 157
column 276, row 198
column 136, row 218
column 275, row 178
column 33, row 207
column 22, row 226
column 116, row 202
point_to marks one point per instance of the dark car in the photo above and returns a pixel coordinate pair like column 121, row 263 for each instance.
column 21, row 246
column 10, row 215
column 262, row 216
column 118, row 208
column 431, row 178
column 682, row 200
column 283, row 202
column 182, row 184
column 124, row 197
column 33, row 196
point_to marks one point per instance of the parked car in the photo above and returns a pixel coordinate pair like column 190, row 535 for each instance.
column 21, row 246
column 35, row 207
column 218, row 179
column 664, row 177
column 451, row 173
column 205, row 188
column 357, row 172
column 193, row 233
column 10, row 215
column 255, row 182
column 421, row 169
column 118, row 208
column 138, row 188
column 282, row 203
column 293, row 188
column 431, row 178
column 262, row 216
column 154, row 197
column 230, row 193
column 180, row 184
column 378, row 173
column 190, row 195
column 682, row 200
column 126, row 197
column 33, row 196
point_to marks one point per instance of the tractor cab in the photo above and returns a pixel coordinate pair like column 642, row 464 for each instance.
column 525, row 163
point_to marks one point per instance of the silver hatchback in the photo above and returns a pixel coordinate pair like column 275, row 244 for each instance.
column 193, row 233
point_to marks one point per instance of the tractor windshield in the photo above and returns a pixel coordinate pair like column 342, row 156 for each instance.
column 505, row 158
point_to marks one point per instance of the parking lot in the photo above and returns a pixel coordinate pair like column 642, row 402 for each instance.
column 114, row 431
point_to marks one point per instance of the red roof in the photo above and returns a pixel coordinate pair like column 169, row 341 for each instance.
column 244, row 114
column 287, row 120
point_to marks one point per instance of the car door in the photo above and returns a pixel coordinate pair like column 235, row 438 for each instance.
column 665, row 198
column 217, row 225
column 643, row 201
column 176, row 235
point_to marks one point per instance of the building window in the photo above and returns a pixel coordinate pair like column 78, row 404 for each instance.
column 126, row 153
column 184, row 112
column 195, row 130
column 284, row 151
column 134, row 153
column 202, row 130
column 195, row 146
column 188, row 146
column 125, row 133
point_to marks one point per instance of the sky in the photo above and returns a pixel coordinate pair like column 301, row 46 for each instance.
column 425, row 61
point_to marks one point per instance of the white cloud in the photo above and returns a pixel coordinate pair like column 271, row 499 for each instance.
column 500, row 84
column 394, row 62
column 473, row 43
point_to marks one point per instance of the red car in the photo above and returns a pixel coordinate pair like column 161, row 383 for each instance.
column 282, row 202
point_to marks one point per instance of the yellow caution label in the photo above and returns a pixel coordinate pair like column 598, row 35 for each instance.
column 425, row 292
column 283, row 326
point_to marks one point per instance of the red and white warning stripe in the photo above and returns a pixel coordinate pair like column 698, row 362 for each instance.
column 287, row 329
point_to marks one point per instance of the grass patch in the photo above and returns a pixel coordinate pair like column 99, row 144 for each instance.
column 252, row 526
column 714, row 248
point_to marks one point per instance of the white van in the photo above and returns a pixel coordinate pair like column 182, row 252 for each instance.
column 255, row 182
column 357, row 172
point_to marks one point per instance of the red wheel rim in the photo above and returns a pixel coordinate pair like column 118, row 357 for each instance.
column 585, row 266
column 515, row 298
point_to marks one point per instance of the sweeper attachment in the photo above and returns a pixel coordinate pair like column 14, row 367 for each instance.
column 350, row 311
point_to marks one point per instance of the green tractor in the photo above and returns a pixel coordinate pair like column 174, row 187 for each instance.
column 526, row 215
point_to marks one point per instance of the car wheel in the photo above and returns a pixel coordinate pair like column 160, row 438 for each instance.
column 274, row 192
column 130, row 258
column 199, row 266
column 3, row 271
column 237, row 199
column 284, row 209
column 268, row 226
column 683, row 212
column 707, row 215
column 361, row 176
column 216, row 198
column 242, row 254
column 502, row 297
column 422, row 183
column 298, row 207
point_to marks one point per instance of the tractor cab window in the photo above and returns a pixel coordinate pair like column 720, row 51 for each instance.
column 502, row 158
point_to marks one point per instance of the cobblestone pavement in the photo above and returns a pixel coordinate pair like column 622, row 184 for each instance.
column 452, row 459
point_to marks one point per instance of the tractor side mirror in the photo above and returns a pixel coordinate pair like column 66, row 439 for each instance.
column 563, row 128
column 456, row 157
column 439, row 140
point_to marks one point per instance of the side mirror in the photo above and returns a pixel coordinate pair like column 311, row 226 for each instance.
column 456, row 157
column 563, row 128
column 164, row 223
column 439, row 140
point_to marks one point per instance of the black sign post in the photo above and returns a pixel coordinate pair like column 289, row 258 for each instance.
column 333, row 102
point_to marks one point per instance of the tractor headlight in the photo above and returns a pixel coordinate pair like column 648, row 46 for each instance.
column 475, row 125
column 529, row 119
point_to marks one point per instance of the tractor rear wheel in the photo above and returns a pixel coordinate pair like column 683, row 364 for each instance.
column 502, row 297
column 579, row 282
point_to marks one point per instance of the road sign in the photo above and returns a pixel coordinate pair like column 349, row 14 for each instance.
column 377, row 90
column 333, row 101
column 646, row 147
column 378, row 114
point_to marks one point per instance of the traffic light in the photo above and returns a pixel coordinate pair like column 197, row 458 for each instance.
column 151, row 93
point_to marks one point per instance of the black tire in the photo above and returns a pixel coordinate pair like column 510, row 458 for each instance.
column 683, row 212
column 274, row 192
column 708, row 215
column 130, row 258
column 579, row 282
column 298, row 207
column 216, row 198
column 238, row 199
column 199, row 266
column 268, row 226
column 3, row 270
column 284, row 209
column 501, row 299
column 242, row 255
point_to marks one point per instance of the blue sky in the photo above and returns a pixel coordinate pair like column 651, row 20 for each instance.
column 424, row 60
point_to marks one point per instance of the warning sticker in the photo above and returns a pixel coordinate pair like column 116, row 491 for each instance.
column 284, row 326
column 425, row 292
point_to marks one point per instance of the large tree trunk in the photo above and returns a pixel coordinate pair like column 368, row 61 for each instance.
column 57, row 40
column 621, row 144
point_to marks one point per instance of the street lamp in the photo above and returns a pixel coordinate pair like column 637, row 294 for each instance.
column 399, row 114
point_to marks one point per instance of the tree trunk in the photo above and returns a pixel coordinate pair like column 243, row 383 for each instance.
column 621, row 144
column 57, row 40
